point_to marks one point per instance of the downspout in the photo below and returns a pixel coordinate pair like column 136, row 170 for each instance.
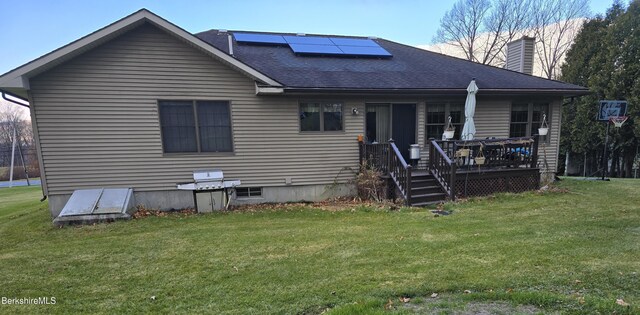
column 4, row 96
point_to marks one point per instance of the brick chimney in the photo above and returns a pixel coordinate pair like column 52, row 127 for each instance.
column 520, row 55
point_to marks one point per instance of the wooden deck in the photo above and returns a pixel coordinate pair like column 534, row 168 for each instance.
column 510, row 166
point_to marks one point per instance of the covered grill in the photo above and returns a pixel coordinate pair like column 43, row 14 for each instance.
column 210, row 180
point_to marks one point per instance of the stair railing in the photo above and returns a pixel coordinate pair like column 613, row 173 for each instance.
column 400, row 172
column 386, row 158
column 442, row 168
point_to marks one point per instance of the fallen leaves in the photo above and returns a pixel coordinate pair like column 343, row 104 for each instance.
column 389, row 305
column 331, row 205
column 143, row 212
column 404, row 299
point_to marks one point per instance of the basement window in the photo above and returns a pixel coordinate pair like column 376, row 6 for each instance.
column 247, row 192
column 195, row 126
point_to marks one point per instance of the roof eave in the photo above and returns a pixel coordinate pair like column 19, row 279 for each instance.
column 19, row 78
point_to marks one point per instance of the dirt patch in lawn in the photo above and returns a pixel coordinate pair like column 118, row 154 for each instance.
column 456, row 306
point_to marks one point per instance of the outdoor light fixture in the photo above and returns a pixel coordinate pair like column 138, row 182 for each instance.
column 355, row 111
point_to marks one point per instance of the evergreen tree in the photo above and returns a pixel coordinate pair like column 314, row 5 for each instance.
column 604, row 58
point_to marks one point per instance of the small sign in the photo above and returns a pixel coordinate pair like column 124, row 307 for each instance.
column 612, row 109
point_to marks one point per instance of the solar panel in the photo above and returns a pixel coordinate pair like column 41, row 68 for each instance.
column 364, row 51
column 308, row 40
column 316, row 45
column 259, row 38
column 340, row 41
column 316, row 49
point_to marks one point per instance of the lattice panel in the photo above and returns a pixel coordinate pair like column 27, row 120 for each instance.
column 478, row 185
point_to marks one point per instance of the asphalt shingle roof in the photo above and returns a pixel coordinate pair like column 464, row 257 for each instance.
column 409, row 68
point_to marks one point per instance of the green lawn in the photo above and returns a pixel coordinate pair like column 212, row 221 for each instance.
column 573, row 252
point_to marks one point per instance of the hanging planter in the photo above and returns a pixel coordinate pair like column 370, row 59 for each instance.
column 480, row 159
column 449, row 130
column 544, row 127
column 462, row 153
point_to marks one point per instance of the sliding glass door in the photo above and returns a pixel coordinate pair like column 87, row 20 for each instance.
column 378, row 120
column 386, row 121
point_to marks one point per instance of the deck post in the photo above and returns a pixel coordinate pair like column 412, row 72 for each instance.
column 408, row 185
column 430, row 163
column 534, row 153
column 452, row 184
column 389, row 154
column 360, row 153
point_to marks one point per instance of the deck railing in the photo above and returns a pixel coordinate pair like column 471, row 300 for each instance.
column 498, row 153
column 376, row 156
column 442, row 168
column 386, row 158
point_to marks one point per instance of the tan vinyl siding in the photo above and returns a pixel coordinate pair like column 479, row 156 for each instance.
column 98, row 121
column 421, row 112
column 553, row 147
column 492, row 118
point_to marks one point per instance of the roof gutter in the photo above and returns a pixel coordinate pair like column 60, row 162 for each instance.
column 461, row 91
column 268, row 90
column 4, row 96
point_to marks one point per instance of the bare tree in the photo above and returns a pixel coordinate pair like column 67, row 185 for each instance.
column 482, row 29
column 555, row 24
column 462, row 25
column 507, row 20
column 12, row 117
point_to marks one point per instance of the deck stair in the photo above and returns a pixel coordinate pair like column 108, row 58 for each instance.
column 425, row 190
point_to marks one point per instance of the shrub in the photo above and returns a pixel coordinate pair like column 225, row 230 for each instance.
column 369, row 183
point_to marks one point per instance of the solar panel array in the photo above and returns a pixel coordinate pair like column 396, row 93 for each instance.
column 316, row 45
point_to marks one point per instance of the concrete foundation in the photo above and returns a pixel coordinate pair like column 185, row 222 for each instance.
column 180, row 199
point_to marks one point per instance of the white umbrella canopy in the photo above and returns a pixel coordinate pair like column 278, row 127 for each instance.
column 469, row 129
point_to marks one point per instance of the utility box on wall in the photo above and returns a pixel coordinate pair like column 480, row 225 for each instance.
column 209, row 201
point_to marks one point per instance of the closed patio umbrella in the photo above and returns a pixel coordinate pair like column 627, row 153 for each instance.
column 469, row 129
